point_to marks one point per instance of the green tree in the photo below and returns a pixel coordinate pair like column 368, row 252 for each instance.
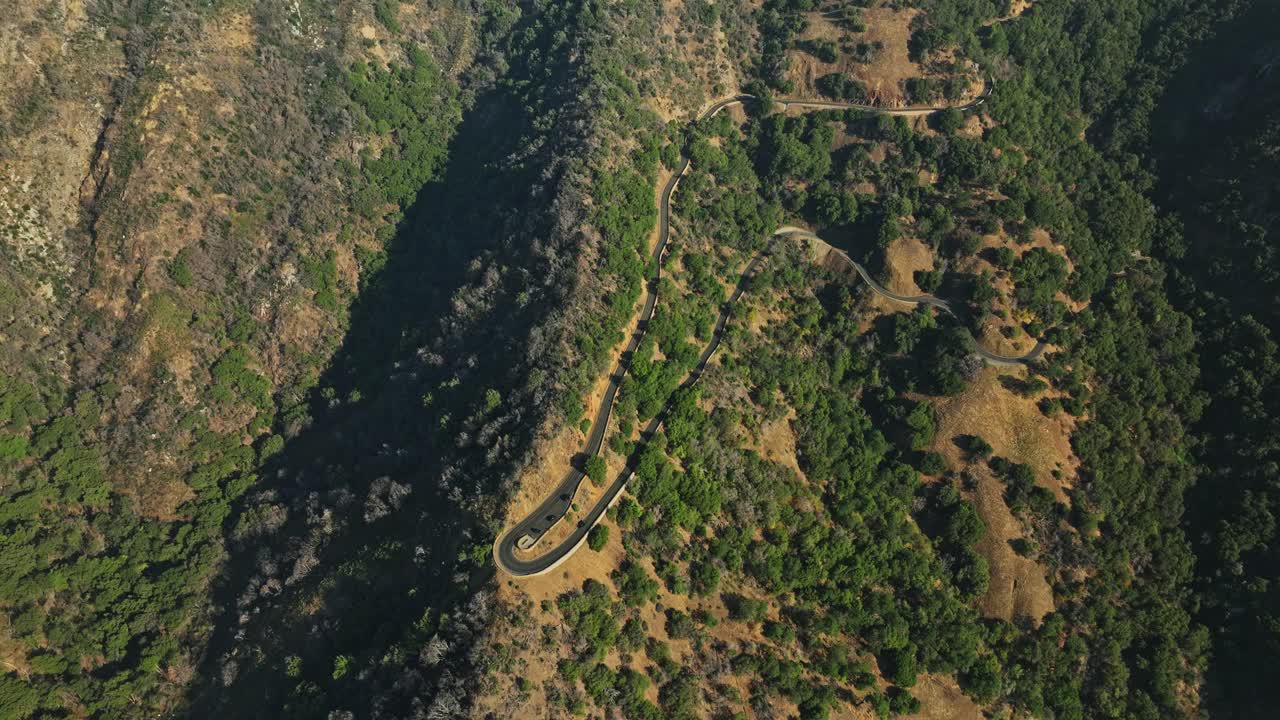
column 598, row 537
column 597, row 469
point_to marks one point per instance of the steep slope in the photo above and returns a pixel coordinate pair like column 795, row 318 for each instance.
column 1215, row 135
column 271, row 288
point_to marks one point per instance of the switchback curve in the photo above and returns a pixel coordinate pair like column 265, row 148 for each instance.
column 527, row 532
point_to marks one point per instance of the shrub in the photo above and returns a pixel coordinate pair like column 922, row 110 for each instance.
column 679, row 624
column 597, row 469
column 387, row 12
column 929, row 280
column 745, row 609
column 341, row 666
column 975, row 446
column 180, row 269
column 923, row 425
column 932, row 463
column 634, row 584
column 824, row 50
column 950, row 121
column 841, row 87
column 598, row 537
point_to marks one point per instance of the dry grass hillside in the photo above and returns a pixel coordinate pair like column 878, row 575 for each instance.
column 904, row 257
column 886, row 28
column 1018, row 431
column 59, row 68
column 878, row 56
column 1013, row 425
column 942, row 699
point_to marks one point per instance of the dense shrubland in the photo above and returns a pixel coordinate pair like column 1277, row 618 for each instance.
column 1216, row 177
column 435, row 417
column 119, row 476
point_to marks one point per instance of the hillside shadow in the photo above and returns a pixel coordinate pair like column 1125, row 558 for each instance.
column 1208, row 132
column 386, row 488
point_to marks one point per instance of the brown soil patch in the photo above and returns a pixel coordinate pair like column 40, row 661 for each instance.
column 849, row 711
column 1013, row 425
column 13, row 654
column 160, row 492
column 1016, row 430
column 973, row 127
column 941, row 699
column 903, row 258
column 993, row 336
column 777, row 443
column 1016, row 9
column 1041, row 238
column 1018, row 586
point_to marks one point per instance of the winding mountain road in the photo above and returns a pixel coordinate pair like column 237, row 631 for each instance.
column 525, row 534
column 942, row 305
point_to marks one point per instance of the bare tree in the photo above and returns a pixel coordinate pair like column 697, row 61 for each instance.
column 434, row 651
column 385, row 496
column 970, row 366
